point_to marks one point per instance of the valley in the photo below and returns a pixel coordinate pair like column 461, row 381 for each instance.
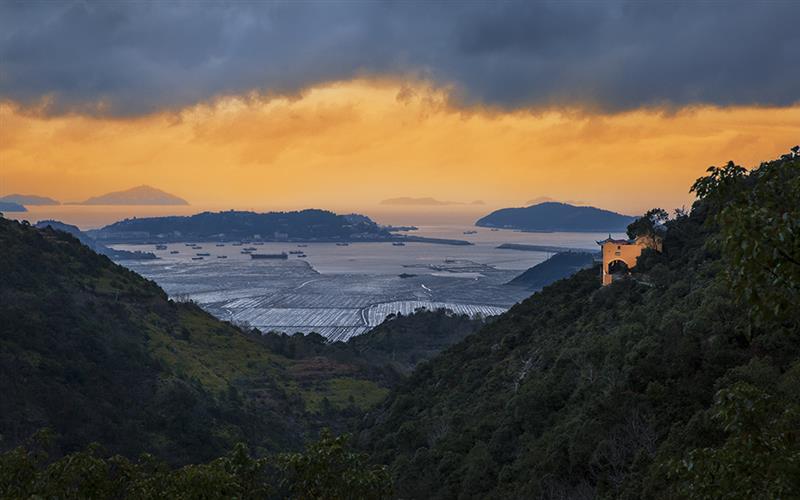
column 342, row 291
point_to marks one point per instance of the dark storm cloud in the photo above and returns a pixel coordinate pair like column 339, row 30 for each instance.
column 132, row 58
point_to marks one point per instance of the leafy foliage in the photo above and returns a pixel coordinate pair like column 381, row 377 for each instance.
column 327, row 469
column 646, row 225
column 759, row 459
column 758, row 215
column 584, row 391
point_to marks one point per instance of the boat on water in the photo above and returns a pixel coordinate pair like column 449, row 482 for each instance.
column 398, row 244
column 203, row 254
column 282, row 255
column 161, row 247
column 197, row 258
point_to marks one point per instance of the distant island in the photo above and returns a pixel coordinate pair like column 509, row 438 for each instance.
column 94, row 245
column 8, row 206
column 29, row 199
column 555, row 216
column 303, row 225
column 310, row 225
column 427, row 201
column 139, row 195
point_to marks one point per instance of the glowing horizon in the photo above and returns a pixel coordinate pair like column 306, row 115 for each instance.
column 349, row 145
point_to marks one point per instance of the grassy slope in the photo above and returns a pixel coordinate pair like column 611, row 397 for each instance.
column 99, row 353
column 580, row 390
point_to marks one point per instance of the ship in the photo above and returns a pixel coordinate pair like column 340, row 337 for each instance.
column 282, row 255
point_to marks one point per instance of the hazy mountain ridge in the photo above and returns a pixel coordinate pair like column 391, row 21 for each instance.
column 9, row 206
column 29, row 199
column 425, row 201
column 139, row 195
column 555, row 216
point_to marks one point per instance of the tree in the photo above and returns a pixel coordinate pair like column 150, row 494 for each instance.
column 329, row 469
column 759, row 459
column 758, row 216
column 647, row 224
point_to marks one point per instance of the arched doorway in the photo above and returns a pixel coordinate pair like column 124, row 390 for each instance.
column 618, row 268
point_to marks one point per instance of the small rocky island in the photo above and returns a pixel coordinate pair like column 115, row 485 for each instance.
column 555, row 216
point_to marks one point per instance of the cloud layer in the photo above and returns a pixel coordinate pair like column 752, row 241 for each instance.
column 134, row 58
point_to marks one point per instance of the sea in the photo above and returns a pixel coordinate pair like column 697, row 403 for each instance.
column 334, row 290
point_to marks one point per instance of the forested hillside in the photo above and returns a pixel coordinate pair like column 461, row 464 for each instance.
column 97, row 353
column 681, row 381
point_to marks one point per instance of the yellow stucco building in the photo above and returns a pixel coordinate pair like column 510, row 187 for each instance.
column 618, row 252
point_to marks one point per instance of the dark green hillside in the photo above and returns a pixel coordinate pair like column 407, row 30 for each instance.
column 98, row 353
column 681, row 381
column 560, row 265
column 403, row 342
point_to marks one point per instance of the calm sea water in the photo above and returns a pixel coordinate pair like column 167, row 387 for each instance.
column 338, row 291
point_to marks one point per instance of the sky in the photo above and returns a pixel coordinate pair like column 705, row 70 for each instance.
column 341, row 105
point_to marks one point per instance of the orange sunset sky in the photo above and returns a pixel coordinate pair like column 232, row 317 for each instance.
column 352, row 144
column 346, row 143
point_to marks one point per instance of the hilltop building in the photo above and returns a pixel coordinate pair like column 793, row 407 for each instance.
column 619, row 256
